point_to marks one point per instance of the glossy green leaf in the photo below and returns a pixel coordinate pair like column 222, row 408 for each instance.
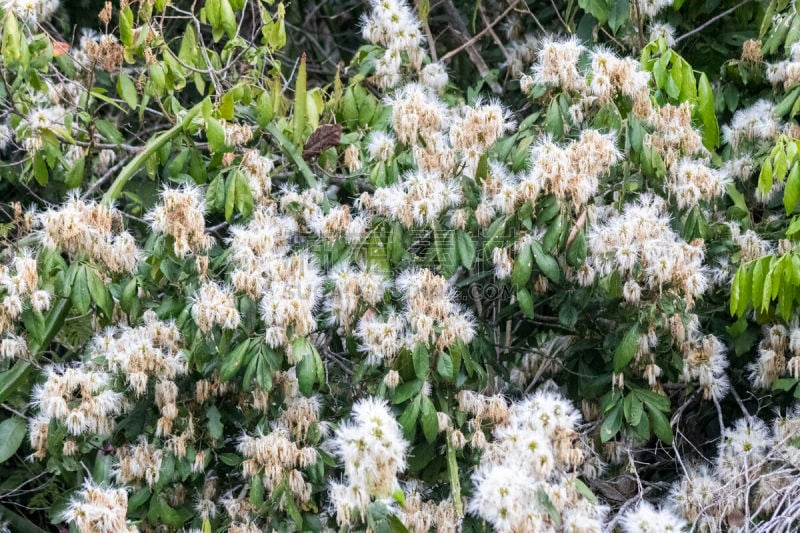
column 626, row 350
column 12, row 433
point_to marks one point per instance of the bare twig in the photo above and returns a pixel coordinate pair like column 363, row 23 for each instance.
column 711, row 21
column 470, row 42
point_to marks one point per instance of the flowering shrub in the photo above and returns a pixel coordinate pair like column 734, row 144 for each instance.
column 249, row 284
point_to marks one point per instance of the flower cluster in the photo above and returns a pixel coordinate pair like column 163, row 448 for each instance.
column 704, row 356
column 373, row 451
column 181, row 215
column 393, row 25
column 277, row 458
column 778, row 355
column 476, row 128
column 431, row 315
column 647, row 519
column 18, row 288
column 214, row 304
column 752, row 474
column 80, row 399
column 532, row 453
column 96, row 509
column 557, row 64
column 418, row 200
column 256, row 169
column 352, row 288
column 692, row 182
column 786, row 72
column 566, row 172
column 139, row 462
column 139, row 353
column 92, row 230
column 650, row 8
column 420, row 515
column 288, row 285
column 642, row 247
column 756, row 123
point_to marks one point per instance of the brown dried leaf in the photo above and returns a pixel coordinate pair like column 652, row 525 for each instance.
column 324, row 137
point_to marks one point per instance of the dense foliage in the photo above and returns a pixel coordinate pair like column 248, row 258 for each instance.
column 456, row 266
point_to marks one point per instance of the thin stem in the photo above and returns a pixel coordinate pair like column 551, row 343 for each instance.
column 480, row 34
column 452, row 469
column 711, row 21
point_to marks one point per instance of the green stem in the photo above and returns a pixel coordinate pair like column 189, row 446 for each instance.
column 452, row 469
column 150, row 148
column 290, row 150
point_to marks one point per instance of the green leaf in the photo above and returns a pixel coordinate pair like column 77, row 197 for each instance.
column 300, row 119
column 554, row 123
column 544, row 500
column 626, row 350
column 12, row 433
column 760, row 271
column 395, row 525
column 546, row 262
column 597, row 8
column 444, row 365
column 612, row 422
column 784, row 384
column 215, row 194
column 429, row 419
column 293, row 153
column 230, row 195
column 256, row 495
column 307, row 367
column 653, row 399
column 422, row 361
column 18, row 522
column 12, row 40
column 745, row 289
column 99, row 292
column 230, row 459
column 785, row 106
column 568, row 315
column 619, row 14
column 408, row 420
column 126, row 89
column 576, row 252
column 736, row 291
column 660, row 424
column 525, row 301
column 80, row 291
column 523, row 266
column 765, row 177
column 12, row 378
column 585, row 491
column 466, row 248
column 792, row 192
column 214, row 422
column 633, row 408
column 705, row 108
column 215, row 134
column 126, row 26
column 227, row 18
column 243, row 195
column 74, row 176
column 407, row 390
column 233, row 361
column 642, row 429
column 672, row 86
column 40, row 172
